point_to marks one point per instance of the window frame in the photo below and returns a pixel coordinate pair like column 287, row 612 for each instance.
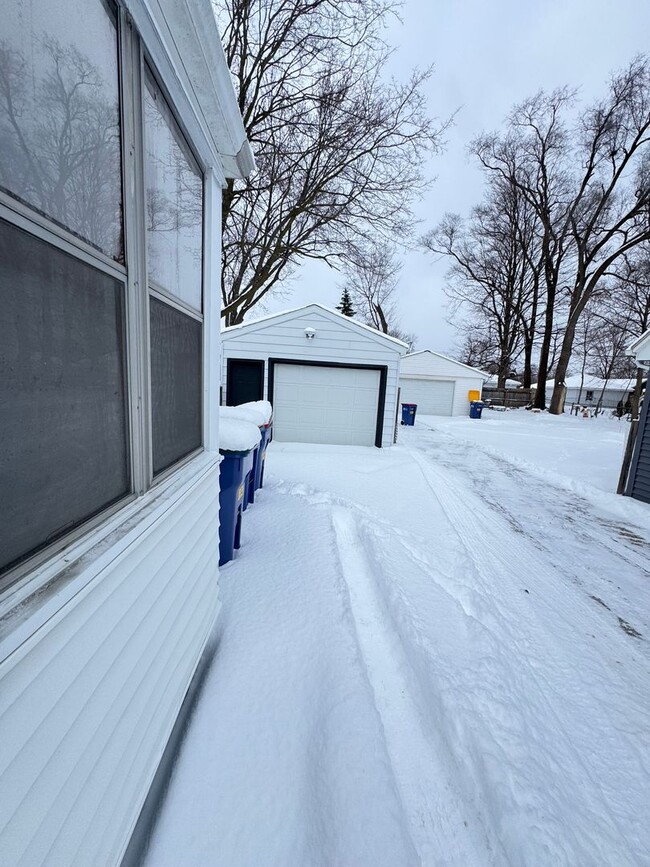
column 132, row 59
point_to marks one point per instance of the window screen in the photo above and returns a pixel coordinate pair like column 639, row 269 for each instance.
column 176, row 384
column 63, row 418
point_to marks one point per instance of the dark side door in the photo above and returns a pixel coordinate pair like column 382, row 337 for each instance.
column 245, row 381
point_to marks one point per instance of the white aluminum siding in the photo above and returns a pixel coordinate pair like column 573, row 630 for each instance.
column 334, row 342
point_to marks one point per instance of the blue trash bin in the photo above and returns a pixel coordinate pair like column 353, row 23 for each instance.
column 475, row 408
column 408, row 413
column 232, row 471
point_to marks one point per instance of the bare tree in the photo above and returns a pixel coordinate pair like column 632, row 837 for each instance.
column 495, row 271
column 610, row 214
column 530, row 157
column 338, row 144
column 371, row 280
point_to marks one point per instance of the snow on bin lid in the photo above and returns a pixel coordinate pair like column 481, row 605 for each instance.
column 245, row 412
column 237, row 435
column 264, row 407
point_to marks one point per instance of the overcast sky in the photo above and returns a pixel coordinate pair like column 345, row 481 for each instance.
column 487, row 57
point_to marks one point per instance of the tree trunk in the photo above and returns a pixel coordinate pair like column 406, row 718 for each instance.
column 635, row 400
column 528, row 363
column 557, row 403
column 545, row 350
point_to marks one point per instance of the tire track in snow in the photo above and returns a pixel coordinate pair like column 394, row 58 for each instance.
column 566, row 508
column 437, row 827
column 493, row 554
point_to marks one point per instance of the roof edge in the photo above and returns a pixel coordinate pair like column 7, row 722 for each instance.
column 448, row 358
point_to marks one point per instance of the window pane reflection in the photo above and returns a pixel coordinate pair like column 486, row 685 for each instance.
column 59, row 115
column 174, row 216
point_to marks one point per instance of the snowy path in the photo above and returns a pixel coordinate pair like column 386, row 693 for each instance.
column 427, row 656
column 434, row 811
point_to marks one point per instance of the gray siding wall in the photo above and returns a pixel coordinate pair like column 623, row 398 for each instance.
column 638, row 485
column 334, row 342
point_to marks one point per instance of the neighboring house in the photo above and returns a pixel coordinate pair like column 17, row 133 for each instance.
column 330, row 378
column 593, row 391
column 637, row 484
column 119, row 127
column 438, row 384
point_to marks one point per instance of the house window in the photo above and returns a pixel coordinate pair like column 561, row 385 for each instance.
column 174, row 214
column 64, row 421
column 76, row 349
column 589, row 395
column 60, row 117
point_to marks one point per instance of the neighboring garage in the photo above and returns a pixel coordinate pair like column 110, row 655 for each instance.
column 438, row 384
column 330, row 379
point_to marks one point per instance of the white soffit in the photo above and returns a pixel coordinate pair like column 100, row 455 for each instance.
column 186, row 31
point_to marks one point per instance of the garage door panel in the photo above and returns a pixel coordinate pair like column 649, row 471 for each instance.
column 315, row 404
column 433, row 396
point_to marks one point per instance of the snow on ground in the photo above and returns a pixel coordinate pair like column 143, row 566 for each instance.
column 432, row 654
column 567, row 447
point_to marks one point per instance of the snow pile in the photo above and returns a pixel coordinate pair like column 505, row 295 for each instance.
column 237, row 435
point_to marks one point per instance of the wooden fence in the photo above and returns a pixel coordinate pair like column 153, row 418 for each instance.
column 512, row 397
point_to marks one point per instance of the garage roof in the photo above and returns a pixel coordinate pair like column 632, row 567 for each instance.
column 318, row 310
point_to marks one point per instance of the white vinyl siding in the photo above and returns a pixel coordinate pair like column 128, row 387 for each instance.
column 325, row 404
column 283, row 337
column 431, row 367
column 433, row 397
column 91, row 692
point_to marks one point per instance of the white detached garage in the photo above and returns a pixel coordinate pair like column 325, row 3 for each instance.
column 438, row 384
column 330, row 379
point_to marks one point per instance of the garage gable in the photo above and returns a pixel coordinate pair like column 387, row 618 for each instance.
column 292, row 324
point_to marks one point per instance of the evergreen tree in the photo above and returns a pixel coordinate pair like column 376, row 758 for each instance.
column 345, row 307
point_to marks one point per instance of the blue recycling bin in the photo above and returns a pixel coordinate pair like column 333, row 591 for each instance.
column 475, row 408
column 266, row 432
column 249, row 469
column 408, row 413
column 250, row 478
column 232, row 472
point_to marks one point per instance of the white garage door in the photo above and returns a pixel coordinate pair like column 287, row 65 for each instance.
column 433, row 396
column 325, row 404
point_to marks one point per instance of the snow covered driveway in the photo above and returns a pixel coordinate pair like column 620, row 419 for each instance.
column 431, row 655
